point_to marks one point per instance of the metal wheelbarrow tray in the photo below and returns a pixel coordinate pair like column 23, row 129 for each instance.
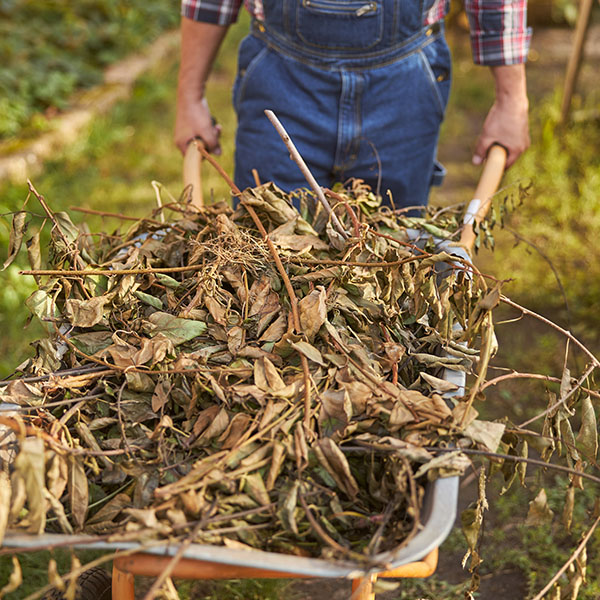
column 417, row 558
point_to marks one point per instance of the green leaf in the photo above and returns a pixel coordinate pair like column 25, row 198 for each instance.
column 149, row 299
column 175, row 329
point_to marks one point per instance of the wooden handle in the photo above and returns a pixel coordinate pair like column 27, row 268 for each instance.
column 486, row 188
column 192, row 174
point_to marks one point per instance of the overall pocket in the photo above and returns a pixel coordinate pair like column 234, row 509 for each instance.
column 339, row 25
column 251, row 53
column 437, row 66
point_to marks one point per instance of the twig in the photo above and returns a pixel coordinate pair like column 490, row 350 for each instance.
column 54, row 221
column 550, row 378
column 566, row 333
column 120, row 416
column 286, row 280
column 306, row 172
column 531, row 461
column 63, row 373
column 166, row 572
column 349, row 209
column 47, row 405
column 562, row 400
column 323, row 534
column 550, row 264
column 572, row 558
column 109, row 272
column 102, row 213
column 347, row 263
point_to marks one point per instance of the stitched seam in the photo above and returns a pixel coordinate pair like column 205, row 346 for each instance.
column 249, row 70
column 433, row 83
column 282, row 46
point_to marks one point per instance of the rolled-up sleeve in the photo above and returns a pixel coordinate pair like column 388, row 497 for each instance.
column 499, row 32
column 223, row 12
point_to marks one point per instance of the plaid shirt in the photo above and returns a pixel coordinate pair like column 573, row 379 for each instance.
column 499, row 33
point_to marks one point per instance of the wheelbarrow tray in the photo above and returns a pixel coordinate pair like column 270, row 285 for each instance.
column 437, row 518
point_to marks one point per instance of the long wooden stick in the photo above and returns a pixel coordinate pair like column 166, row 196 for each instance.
column 486, row 188
column 192, row 173
column 575, row 59
column 306, row 172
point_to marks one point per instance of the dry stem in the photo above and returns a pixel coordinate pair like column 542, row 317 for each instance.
column 306, row 172
column 572, row 558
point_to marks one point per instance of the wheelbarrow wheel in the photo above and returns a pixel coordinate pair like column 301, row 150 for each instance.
column 93, row 584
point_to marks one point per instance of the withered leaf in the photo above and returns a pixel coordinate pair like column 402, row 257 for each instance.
column 312, row 312
column 161, row 394
column 539, row 512
column 309, row 351
column 15, row 580
column 30, row 468
column 336, row 464
column 5, row 494
column 237, row 427
column 336, row 412
column 78, row 491
column 86, row 313
column 255, row 487
column 487, row 433
column 17, row 231
column 588, row 432
column 288, row 500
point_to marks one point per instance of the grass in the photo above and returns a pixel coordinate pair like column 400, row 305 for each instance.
column 111, row 169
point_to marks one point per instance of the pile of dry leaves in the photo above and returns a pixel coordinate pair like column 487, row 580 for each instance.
column 266, row 377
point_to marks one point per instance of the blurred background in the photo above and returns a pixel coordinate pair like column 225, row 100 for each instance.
column 87, row 103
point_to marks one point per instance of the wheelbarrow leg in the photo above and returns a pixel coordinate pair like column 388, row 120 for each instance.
column 362, row 589
column 123, row 583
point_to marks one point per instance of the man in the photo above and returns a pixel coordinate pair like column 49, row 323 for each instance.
column 360, row 85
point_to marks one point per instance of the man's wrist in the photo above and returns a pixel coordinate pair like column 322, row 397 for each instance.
column 511, row 85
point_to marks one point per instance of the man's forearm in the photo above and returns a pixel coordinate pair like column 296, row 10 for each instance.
column 507, row 122
column 200, row 43
column 511, row 85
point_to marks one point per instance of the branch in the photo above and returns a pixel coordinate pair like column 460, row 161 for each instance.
column 572, row 558
column 566, row 333
column 516, row 375
column 305, row 171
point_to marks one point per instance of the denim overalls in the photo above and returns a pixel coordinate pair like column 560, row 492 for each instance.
column 361, row 86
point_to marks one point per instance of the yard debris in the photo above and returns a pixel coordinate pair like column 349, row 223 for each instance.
column 174, row 383
column 251, row 377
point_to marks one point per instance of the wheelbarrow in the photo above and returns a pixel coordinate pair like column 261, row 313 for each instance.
column 416, row 559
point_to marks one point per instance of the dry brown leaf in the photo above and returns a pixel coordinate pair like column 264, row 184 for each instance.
column 312, row 311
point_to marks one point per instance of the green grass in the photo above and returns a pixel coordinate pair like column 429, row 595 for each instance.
column 51, row 49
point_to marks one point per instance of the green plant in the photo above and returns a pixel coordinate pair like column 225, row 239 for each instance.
column 50, row 49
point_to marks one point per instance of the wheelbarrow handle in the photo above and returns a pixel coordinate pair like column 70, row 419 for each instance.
column 192, row 173
column 489, row 180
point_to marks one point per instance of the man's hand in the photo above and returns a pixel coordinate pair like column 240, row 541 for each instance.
column 193, row 120
column 507, row 123
column 200, row 43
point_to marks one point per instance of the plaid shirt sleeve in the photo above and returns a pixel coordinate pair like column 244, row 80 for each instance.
column 218, row 12
column 499, row 32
